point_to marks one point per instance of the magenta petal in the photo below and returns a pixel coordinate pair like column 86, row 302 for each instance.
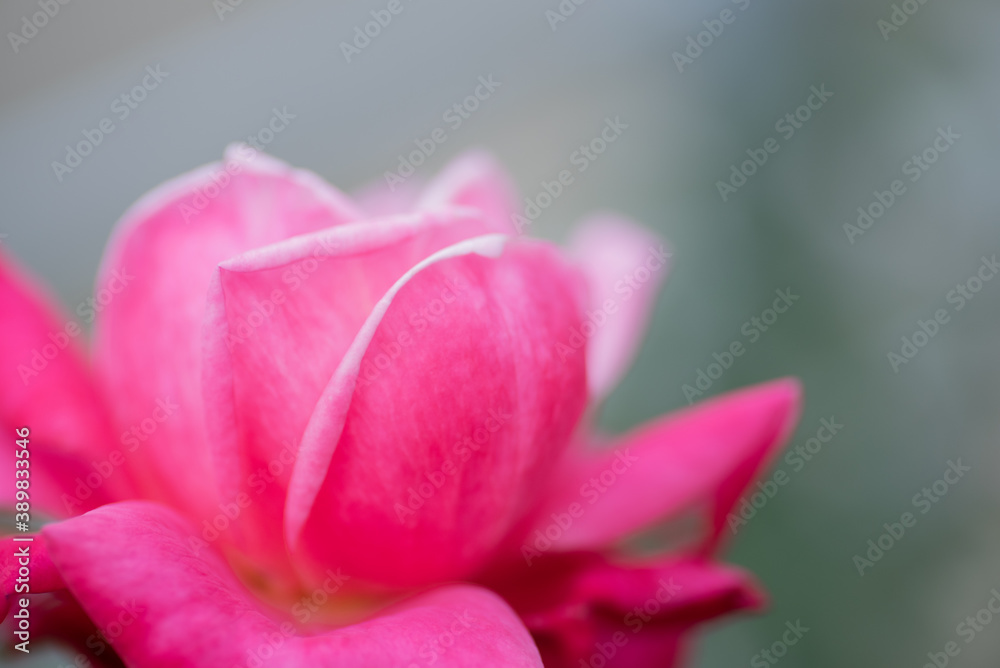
column 379, row 199
column 65, row 484
column 139, row 566
column 297, row 304
column 440, row 470
column 477, row 181
column 155, row 275
column 451, row 627
column 575, row 603
column 136, row 566
column 47, row 386
column 625, row 265
column 701, row 457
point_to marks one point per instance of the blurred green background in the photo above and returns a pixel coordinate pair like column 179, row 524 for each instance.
column 687, row 126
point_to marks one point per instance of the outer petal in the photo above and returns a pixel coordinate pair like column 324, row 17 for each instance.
column 475, row 180
column 378, row 200
column 625, row 265
column 444, row 419
column 132, row 564
column 45, row 385
column 160, row 263
column 699, row 457
column 577, row 604
column 297, row 305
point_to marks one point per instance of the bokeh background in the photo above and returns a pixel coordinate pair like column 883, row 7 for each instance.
column 230, row 65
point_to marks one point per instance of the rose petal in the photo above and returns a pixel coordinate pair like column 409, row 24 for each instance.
column 705, row 455
column 380, row 199
column 475, row 180
column 463, row 347
column 297, row 305
column 155, row 277
column 46, row 382
column 46, row 386
column 625, row 265
column 575, row 604
column 452, row 627
column 135, row 566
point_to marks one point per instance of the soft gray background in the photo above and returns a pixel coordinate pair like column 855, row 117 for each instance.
column 783, row 229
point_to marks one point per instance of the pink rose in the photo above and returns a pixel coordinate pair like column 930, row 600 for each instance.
column 358, row 433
